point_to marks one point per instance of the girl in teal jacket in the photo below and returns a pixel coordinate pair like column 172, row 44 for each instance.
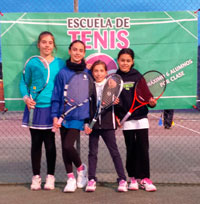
column 42, row 122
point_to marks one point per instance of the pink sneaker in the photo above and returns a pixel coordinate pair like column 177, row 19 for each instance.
column 133, row 184
column 147, row 185
column 123, row 186
column 91, row 186
column 50, row 182
column 70, row 186
column 36, row 183
column 82, row 178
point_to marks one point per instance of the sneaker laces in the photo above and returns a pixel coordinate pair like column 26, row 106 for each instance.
column 122, row 183
column 133, row 180
column 146, row 180
column 91, row 182
column 50, row 179
column 36, row 180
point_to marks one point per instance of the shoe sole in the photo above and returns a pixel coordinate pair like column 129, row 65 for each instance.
column 150, row 190
column 143, row 188
column 35, row 189
column 122, row 190
column 69, row 191
column 48, row 189
column 82, row 186
column 133, row 189
column 90, row 190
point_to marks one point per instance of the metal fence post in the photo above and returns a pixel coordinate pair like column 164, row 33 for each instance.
column 75, row 6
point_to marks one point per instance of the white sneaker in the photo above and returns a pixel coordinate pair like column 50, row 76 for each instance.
column 91, row 186
column 82, row 177
column 36, row 183
column 147, row 185
column 50, row 182
column 71, row 185
column 133, row 184
column 123, row 186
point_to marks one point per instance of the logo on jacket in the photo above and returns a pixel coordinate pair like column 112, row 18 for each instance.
column 128, row 85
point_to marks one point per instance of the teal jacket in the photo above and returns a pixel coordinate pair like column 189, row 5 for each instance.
column 44, row 98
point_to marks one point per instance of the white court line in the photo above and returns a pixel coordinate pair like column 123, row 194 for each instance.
column 182, row 26
column 12, row 25
column 178, row 96
column 147, row 19
column 34, row 23
column 163, row 22
column 193, row 14
column 188, row 128
column 13, row 99
column 61, row 19
column 19, row 99
column 176, row 124
column 40, row 19
column 64, row 24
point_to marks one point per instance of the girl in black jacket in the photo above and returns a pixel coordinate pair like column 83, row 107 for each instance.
column 105, row 126
column 135, row 129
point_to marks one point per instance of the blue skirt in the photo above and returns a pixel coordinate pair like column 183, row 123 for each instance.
column 41, row 118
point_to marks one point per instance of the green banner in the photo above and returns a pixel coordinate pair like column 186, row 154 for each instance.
column 163, row 41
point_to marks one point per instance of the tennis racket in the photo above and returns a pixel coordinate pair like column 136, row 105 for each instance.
column 111, row 91
column 152, row 84
column 76, row 93
column 36, row 75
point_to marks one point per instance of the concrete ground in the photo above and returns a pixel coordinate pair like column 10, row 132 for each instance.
column 104, row 194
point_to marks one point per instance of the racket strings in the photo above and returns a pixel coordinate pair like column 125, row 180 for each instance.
column 40, row 79
column 111, row 91
column 78, row 89
column 151, row 84
column 45, row 63
column 156, row 83
column 36, row 74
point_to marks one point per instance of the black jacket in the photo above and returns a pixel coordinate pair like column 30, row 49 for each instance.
column 107, row 118
column 126, row 97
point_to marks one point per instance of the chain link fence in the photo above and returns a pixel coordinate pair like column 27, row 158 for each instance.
column 174, row 153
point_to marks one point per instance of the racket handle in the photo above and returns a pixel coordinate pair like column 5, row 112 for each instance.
column 59, row 123
column 125, row 118
column 30, row 122
column 92, row 123
column 53, row 129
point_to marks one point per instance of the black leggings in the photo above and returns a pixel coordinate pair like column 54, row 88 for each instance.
column 69, row 153
column 137, row 157
column 37, row 138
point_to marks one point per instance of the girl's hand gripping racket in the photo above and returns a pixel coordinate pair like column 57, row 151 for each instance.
column 36, row 75
column 77, row 93
column 111, row 91
column 150, row 86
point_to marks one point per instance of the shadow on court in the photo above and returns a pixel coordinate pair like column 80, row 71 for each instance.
column 105, row 194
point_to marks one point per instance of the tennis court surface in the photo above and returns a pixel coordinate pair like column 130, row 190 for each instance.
column 105, row 193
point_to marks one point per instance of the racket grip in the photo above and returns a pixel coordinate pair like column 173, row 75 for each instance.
column 92, row 123
column 30, row 122
column 125, row 118
column 59, row 123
